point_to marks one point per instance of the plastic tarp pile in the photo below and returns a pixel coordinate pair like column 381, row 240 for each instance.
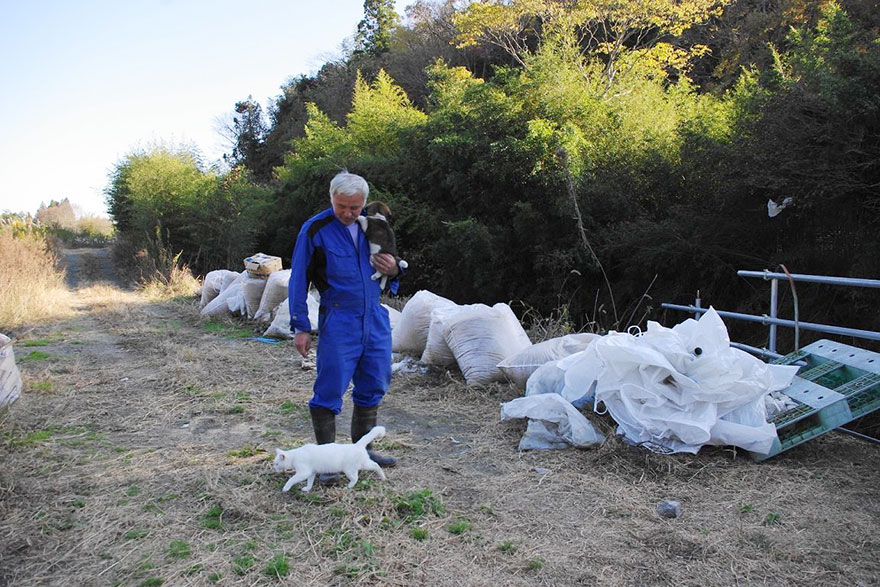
column 673, row 389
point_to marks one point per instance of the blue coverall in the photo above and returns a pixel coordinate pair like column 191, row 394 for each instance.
column 354, row 343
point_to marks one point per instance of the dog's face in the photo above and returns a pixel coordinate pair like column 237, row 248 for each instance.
column 378, row 207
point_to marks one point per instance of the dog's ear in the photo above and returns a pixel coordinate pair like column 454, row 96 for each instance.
column 278, row 452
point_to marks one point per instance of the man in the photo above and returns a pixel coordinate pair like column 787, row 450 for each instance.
column 332, row 253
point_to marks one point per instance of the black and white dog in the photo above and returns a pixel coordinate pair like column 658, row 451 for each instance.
column 378, row 231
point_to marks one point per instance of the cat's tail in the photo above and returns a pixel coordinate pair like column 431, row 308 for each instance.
column 373, row 434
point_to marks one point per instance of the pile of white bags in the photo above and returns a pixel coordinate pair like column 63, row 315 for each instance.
column 10, row 378
column 475, row 337
column 230, row 299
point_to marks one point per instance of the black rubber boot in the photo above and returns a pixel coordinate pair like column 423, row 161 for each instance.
column 362, row 421
column 324, row 424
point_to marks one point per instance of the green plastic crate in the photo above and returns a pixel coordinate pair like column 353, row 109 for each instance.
column 837, row 384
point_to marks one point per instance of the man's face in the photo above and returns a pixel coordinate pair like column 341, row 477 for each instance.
column 347, row 208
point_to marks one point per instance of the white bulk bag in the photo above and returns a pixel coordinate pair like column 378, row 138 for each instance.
column 280, row 326
column 520, row 366
column 393, row 317
column 274, row 293
column 253, row 288
column 10, row 378
column 437, row 352
column 480, row 337
column 411, row 333
column 220, row 305
column 213, row 285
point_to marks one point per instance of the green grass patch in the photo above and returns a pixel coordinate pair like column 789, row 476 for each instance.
column 43, row 386
column 228, row 331
column 151, row 582
column 535, row 564
column 278, row 567
column 243, row 564
column 507, row 547
column 37, row 342
column 135, row 534
column 419, row 533
column 458, row 527
column 235, row 410
column 213, row 519
column 417, row 504
column 67, row 435
column 247, row 450
column 289, row 407
column 34, row 356
column 179, row 549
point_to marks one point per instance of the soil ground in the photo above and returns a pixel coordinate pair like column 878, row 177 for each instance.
column 140, row 454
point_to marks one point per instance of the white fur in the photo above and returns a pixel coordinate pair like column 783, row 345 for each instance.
column 313, row 459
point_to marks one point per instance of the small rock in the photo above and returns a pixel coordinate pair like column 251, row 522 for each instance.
column 669, row 509
column 541, row 470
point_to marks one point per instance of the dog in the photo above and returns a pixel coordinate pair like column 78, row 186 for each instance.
column 378, row 231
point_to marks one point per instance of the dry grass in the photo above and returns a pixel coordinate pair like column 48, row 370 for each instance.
column 140, row 451
column 31, row 283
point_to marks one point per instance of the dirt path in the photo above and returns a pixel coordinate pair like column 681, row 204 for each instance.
column 87, row 266
column 140, row 453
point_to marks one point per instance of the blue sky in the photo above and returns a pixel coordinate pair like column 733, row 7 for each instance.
column 84, row 82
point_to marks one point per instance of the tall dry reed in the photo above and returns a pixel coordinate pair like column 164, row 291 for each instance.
column 31, row 284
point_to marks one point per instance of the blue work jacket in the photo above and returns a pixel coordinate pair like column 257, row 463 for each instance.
column 326, row 257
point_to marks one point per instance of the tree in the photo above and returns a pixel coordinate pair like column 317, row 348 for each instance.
column 374, row 32
column 623, row 34
column 248, row 134
column 58, row 214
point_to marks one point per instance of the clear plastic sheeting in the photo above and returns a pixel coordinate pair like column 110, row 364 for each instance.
column 553, row 423
column 678, row 388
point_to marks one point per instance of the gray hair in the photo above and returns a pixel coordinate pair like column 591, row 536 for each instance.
column 349, row 184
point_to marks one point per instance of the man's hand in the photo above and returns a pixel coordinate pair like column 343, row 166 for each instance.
column 303, row 342
column 385, row 264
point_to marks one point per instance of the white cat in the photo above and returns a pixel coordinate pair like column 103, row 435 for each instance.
column 313, row 459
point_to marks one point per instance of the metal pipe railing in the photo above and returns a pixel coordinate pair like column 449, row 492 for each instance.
column 827, row 279
column 774, row 297
column 766, row 320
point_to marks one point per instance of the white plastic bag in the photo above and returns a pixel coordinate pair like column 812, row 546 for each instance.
column 552, row 422
column 411, row 333
column 274, row 293
column 520, row 366
column 480, row 337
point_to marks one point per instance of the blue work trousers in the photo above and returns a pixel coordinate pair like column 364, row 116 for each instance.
column 353, row 347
